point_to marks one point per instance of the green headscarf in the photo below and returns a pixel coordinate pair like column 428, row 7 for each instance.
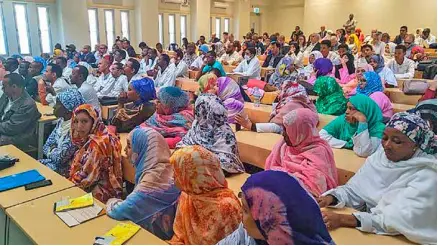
column 331, row 98
column 342, row 130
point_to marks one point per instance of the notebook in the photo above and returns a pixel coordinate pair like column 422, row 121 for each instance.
column 20, row 179
column 118, row 235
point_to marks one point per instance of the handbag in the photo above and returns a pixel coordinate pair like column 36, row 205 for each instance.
column 415, row 87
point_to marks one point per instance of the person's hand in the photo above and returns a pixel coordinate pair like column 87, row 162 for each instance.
column 325, row 201
column 50, row 90
column 123, row 97
column 359, row 116
column 225, row 62
column 359, row 54
column 243, row 121
column 433, row 85
column 331, row 220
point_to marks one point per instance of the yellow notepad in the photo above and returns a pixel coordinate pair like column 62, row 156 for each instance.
column 118, row 235
column 75, row 203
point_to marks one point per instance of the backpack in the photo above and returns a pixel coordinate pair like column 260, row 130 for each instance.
column 430, row 71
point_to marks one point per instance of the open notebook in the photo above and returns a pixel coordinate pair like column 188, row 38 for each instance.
column 78, row 210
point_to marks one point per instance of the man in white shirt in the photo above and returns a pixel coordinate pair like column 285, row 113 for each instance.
column 402, row 67
column 58, row 83
column 190, row 56
column 11, row 65
column 166, row 73
column 314, row 44
column 131, row 70
column 427, row 38
column 66, row 71
column 250, row 66
column 225, row 38
column 327, row 53
column 151, row 61
column 182, row 70
column 103, row 68
column 115, row 84
column 363, row 57
column 231, row 56
column 101, row 52
column 197, row 64
column 78, row 78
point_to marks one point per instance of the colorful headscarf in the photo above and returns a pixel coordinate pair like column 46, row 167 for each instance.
column 343, row 130
column 228, row 88
column 356, row 40
column 234, row 108
column 43, row 62
column 427, row 110
column 380, row 62
column 323, row 67
column 207, row 82
column 282, row 72
column 285, row 214
column 97, row 165
column 208, row 210
column 417, row 49
column 373, row 84
column 331, row 98
column 212, row 131
column 71, row 99
column 292, row 96
column 310, row 158
column 145, row 89
column 174, row 116
column 416, row 129
column 316, row 54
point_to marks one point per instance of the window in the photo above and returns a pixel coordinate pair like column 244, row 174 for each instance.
column 109, row 28
column 94, row 27
column 218, row 27
column 3, row 50
column 171, row 29
column 43, row 22
column 183, row 27
column 124, row 17
column 160, row 27
column 22, row 28
column 227, row 25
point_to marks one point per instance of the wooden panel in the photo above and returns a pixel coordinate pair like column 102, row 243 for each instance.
column 397, row 96
column 187, row 84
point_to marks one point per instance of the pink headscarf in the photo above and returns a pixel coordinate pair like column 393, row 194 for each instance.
column 350, row 88
column 310, row 158
column 384, row 103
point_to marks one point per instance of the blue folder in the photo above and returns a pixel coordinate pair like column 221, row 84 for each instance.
column 20, row 179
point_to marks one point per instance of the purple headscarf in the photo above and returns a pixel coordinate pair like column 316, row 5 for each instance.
column 228, row 88
column 323, row 66
column 234, row 108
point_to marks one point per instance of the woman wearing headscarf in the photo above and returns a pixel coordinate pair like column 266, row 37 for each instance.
column 308, row 70
column 353, row 44
column 359, row 35
column 211, row 131
column 389, row 52
column 417, row 55
column 386, row 75
column 272, row 214
column 285, row 71
column 321, row 67
column 395, row 191
column 292, row 96
column 345, row 71
column 97, row 165
column 331, row 98
column 153, row 202
column 207, row 209
column 350, row 87
column 303, row 154
column 360, row 128
column 174, row 115
column 59, row 149
column 418, row 35
column 370, row 85
column 141, row 92
column 427, row 110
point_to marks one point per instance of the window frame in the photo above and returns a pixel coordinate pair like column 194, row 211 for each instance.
column 161, row 32
column 27, row 25
column 106, row 28
column 128, row 25
column 48, row 25
column 183, row 24
column 96, row 11
column 218, row 32
column 5, row 38
column 174, row 28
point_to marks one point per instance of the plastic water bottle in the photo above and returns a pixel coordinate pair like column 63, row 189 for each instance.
column 257, row 96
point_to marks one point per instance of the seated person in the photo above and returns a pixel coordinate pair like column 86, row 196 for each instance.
column 182, row 70
column 345, row 72
column 308, row 70
column 300, row 145
column 120, row 57
column 59, row 149
column 190, row 55
column 97, row 165
column 149, row 61
column 331, row 98
column 103, row 68
column 131, row 70
column 210, row 63
column 270, row 213
column 174, row 115
column 31, row 85
column 197, row 64
column 285, row 71
column 402, row 67
column 212, row 131
column 115, row 84
column 153, row 203
column 389, row 52
column 350, row 87
column 427, row 110
column 91, row 79
column 360, row 128
column 326, row 51
column 293, row 96
column 207, row 209
column 57, row 84
column 87, row 56
column 386, row 75
column 78, row 78
column 141, row 92
column 250, row 66
column 363, row 57
column 274, row 58
column 321, row 67
column 370, row 85
column 430, row 92
column 18, row 113
column 231, row 56
column 165, row 73
column 426, row 38
column 66, row 70
column 394, row 192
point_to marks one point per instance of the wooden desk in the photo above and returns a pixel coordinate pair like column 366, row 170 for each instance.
column 397, row 96
column 264, row 71
column 108, row 112
column 46, row 118
column 229, row 68
column 187, row 84
column 401, row 81
column 268, row 98
column 36, row 222
column 235, row 182
column 397, row 107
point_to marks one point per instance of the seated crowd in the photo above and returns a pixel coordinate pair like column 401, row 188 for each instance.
column 182, row 196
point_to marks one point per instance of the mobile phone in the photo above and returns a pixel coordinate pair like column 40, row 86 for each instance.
column 38, row 184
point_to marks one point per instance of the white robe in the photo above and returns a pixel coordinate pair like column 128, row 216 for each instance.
column 167, row 77
column 251, row 69
column 394, row 197
column 59, row 86
column 111, row 87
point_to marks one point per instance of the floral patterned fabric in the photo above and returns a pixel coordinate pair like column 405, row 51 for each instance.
column 211, row 131
column 97, row 165
column 208, row 210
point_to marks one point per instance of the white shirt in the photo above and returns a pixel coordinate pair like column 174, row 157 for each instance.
column 379, row 48
column 90, row 95
column 112, row 87
column 144, row 68
column 309, row 49
column 334, row 58
column 404, row 71
column 59, row 86
column 138, row 76
column 359, row 61
column 167, row 77
column 198, row 62
column 182, row 69
column 388, row 76
column 430, row 40
column 66, row 73
column 230, row 59
column 91, row 80
column 251, row 69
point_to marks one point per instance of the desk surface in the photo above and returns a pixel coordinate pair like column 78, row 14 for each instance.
column 235, row 182
column 44, row 111
column 19, row 195
column 37, row 220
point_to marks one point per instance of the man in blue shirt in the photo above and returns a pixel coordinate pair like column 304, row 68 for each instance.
column 210, row 62
column 87, row 56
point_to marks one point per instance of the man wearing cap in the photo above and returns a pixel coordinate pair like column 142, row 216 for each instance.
column 87, row 56
column 71, row 51
column 199, row 62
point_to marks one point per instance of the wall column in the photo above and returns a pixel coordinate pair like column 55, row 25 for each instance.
column 73, row 22
column 146, row 16
column 200, row 19
column 241, row 18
